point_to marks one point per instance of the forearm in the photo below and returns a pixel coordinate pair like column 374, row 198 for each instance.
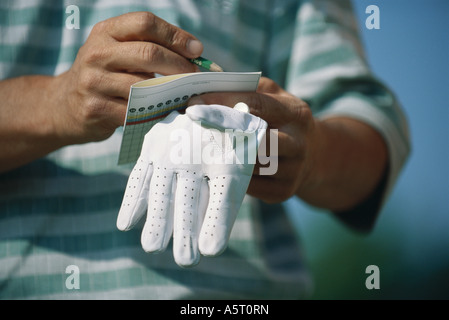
column 27, row 130
column 350, row 160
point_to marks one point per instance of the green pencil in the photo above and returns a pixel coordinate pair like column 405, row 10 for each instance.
column 207, row 64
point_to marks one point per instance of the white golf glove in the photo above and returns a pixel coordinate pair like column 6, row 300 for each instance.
column 191, row 178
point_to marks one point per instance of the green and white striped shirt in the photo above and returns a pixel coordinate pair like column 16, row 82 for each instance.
column 60, row 211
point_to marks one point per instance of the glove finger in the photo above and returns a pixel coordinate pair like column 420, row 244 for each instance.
column 135, row 199
column 158, row 227
column 188, row 214
column 226, row 193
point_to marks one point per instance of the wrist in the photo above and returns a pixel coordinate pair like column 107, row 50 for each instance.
column 52, row 104
column 348, row 161
column 27, row 130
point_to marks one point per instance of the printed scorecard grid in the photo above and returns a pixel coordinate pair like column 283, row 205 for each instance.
column 150, row 104
column 137, row 127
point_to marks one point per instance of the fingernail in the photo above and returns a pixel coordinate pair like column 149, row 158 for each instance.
column 195, row 47
column 195, row 100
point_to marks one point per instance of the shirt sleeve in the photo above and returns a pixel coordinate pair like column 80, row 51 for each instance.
column 328, row 69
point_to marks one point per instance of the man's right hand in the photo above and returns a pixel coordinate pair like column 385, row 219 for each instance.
column 88, row 102
column 119, row 51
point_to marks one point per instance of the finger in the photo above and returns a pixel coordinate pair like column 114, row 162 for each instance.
column 117, row 84
column 158, row 227
column 277, row 110
column 188, row 217
column 266, row 85
column 226, row 193
column 270, row 189
column 280, row 182
column 276, row 143
column 135, row 199
column 145, row 26
column 145, row 57
column 285, row 169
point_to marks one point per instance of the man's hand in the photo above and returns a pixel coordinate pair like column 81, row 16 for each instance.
column 334, row 163
column 119, row 52
column 88, row 102
column 295, row 134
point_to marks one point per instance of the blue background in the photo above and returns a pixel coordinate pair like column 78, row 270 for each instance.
column 410, row 243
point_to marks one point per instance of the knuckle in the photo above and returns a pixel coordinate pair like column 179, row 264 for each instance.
column 148, row 52
column 296, row 144
column 145, row 21
column 100, row 27
column 89, row 81
column 255, row 101
column 93, row 55
column 92, row 108
column 176, row 37
column 267, row 85
column 301, row 113
column 307, row 112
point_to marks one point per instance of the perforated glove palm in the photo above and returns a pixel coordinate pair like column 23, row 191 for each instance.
column 190, row 180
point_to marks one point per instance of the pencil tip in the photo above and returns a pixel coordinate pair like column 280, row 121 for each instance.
column 215, row 68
